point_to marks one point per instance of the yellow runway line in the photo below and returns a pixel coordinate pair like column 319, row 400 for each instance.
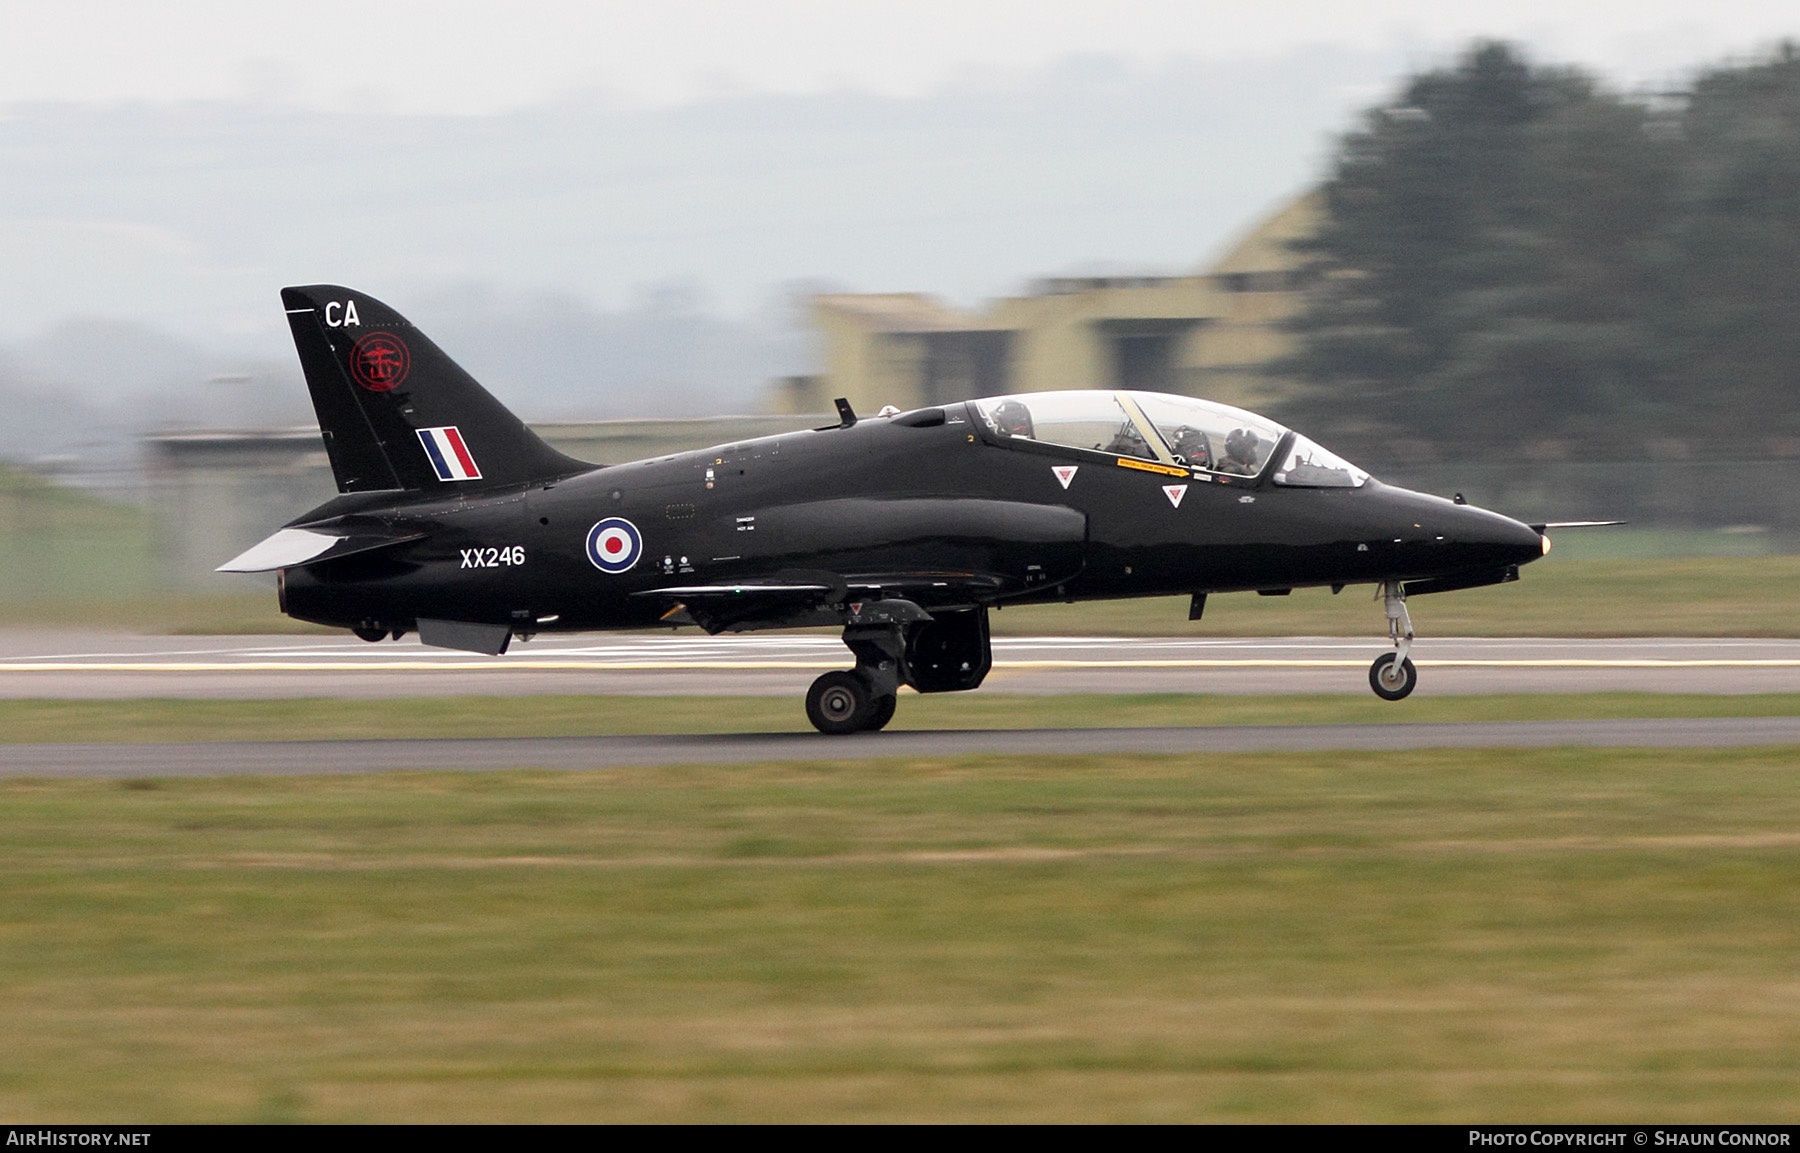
column 502, row 665
column 1569, row 663
column 498, row 665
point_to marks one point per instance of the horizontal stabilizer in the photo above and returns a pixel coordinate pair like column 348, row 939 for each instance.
column 298, row 546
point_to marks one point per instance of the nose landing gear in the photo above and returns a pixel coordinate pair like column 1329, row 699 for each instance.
column 1393, row 676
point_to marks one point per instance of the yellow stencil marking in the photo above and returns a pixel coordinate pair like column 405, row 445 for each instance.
column 1146, row 466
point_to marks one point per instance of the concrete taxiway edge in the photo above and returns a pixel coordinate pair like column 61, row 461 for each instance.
column 235, row 758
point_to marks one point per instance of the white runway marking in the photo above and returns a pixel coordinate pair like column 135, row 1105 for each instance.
column 120, row 666
column 679, row 654
column 729, row 666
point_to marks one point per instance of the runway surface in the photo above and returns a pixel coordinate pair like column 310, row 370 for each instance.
column 230, row 758
column 101, row 665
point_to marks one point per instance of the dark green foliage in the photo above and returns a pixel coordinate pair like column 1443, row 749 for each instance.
column 1516, row 261
column 1733, row 244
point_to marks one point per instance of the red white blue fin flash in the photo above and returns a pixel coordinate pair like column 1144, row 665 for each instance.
column 449, row 455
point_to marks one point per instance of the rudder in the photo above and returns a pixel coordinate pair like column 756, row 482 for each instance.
column 396, row 412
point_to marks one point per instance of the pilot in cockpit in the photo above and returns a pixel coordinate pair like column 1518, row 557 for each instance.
column 1012, row 419
column 1240, row 452
column 1191, row 447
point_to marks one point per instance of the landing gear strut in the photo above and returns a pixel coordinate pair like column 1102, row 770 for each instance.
column 896, row 643
column 863, row 699
column 1393, row 676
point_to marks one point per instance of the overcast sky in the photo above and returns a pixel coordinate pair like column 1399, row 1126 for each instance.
column 172, row 163
column 468, row 56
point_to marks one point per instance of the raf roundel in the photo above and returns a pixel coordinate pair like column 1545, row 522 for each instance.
column 614, row 545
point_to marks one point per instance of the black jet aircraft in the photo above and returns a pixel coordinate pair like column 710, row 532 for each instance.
column 457, row 522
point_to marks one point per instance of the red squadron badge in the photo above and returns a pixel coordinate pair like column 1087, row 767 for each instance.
column 380, row 361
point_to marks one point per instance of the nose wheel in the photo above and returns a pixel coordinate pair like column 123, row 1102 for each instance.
column 1393, row 676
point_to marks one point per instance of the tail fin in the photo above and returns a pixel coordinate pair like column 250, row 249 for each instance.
column 396, row 412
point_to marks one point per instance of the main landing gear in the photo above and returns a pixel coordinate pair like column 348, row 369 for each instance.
column 940, row 653
column 374, row 631
column 1393, row 676
column 849, row 702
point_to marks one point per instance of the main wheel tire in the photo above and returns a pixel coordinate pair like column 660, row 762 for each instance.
column 839, row 703
column 371, row 633
column 1392, row 681
column 880, row 713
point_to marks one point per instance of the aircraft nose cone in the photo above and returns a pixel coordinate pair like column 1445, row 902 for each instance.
column 1490, row 538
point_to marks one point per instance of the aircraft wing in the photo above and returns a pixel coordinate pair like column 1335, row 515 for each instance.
column 865, row 598
column 298, row 546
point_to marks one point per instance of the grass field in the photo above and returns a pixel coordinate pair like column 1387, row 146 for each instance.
column 63, row 721
column 61, row 541
column 1750, row 596
column 166, row 614
column 1562, row 935
column 1599, row 597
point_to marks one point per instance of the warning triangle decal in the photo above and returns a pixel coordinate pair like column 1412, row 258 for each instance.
column 1175, row 492
column 1064, row 473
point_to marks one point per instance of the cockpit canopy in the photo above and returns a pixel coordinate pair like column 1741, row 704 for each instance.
column 1174, row 430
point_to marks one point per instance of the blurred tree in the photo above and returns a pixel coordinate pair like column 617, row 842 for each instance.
column 1729, row 328
column 1486, row 271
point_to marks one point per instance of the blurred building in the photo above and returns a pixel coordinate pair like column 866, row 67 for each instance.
column 1205, row 334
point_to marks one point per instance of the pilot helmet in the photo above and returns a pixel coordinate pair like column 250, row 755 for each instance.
column 1240, row 445
column 1012, row 418
column 1190, row 442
